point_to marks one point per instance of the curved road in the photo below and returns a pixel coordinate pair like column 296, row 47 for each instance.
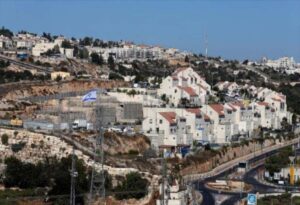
column 248, row 178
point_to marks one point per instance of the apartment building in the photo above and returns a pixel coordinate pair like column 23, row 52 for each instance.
column 128, row 52
column 185, row 86
column 265, row 115
column 40, row 48
column 166, row 127
column 222, row 117
column 199, row 124
column 284, row 62
column 5, row 42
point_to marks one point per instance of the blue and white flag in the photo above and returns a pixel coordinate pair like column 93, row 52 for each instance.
column 90, row 97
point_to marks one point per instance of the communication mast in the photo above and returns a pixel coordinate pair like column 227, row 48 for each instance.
column 206, row 45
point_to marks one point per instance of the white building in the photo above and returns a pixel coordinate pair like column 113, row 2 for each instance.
column 265, row 115
column 231, row 88
column 128, row 52
column 174, row 128
column 5, row 42
column 27, row 40
column 40, row 48
column 222, row 117
column 284, row 62
column 173, row 194
column 68, row 52
column 185, row 85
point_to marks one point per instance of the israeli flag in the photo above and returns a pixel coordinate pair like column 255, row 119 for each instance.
column 90, row 97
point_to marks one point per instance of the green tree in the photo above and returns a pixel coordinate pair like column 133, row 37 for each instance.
column 134, row 185
column 115, row 76
column 97, row 59
column 86, row 41
column 4, row 64
column 66, row 44
column 186, row 59
column 131, row 92
column 111, row 62
column 58, row 78
column 4, row 139
column 6, row 32
column 83, row 53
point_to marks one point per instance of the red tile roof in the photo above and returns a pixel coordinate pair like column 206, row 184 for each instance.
column 174, row 77
column 169, row 116
column 263, row 103
column 232, row 107
column 188, row 90
column 275, row 99
column 219, row 108
column 197, row 111
column 238, row 104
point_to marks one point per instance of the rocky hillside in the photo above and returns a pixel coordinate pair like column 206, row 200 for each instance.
column 15, row 91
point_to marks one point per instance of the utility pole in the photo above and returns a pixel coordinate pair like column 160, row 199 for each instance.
column 164, row 173
column 73, row 171
column 74, row 175
column 97, row 187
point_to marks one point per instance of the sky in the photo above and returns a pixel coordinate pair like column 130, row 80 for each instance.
column 235, row 29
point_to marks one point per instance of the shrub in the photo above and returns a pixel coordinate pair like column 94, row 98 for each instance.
column 133, row 152
column 18, row 147
column 134, row 186
column 4, row 139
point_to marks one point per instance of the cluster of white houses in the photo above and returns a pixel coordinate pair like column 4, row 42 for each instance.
column 34, row 43
column 125, row 51
column 176, row 127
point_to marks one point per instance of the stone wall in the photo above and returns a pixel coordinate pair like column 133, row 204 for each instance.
column 224, row 156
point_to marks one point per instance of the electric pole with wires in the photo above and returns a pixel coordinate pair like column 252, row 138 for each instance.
column 97, row 188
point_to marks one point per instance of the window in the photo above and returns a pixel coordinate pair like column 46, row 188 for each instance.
column 160, row 121
column 175, row 90
column 150, row 121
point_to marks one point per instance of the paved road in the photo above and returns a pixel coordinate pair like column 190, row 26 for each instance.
column 233, row 163
column 249, row 178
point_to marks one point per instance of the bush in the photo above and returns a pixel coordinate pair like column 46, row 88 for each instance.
column 133, row 152
column 51, row 173
column 4, row 139
column 134, row 185
column 18, row 147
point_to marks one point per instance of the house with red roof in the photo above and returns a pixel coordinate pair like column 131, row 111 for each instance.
column 222, row 117
column 226, row 85
column 184, row 86
column 166, row 127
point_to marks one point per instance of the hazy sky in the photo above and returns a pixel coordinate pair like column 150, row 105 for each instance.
column 236, row 29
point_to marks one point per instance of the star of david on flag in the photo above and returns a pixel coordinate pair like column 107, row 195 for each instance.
column 90, row 96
